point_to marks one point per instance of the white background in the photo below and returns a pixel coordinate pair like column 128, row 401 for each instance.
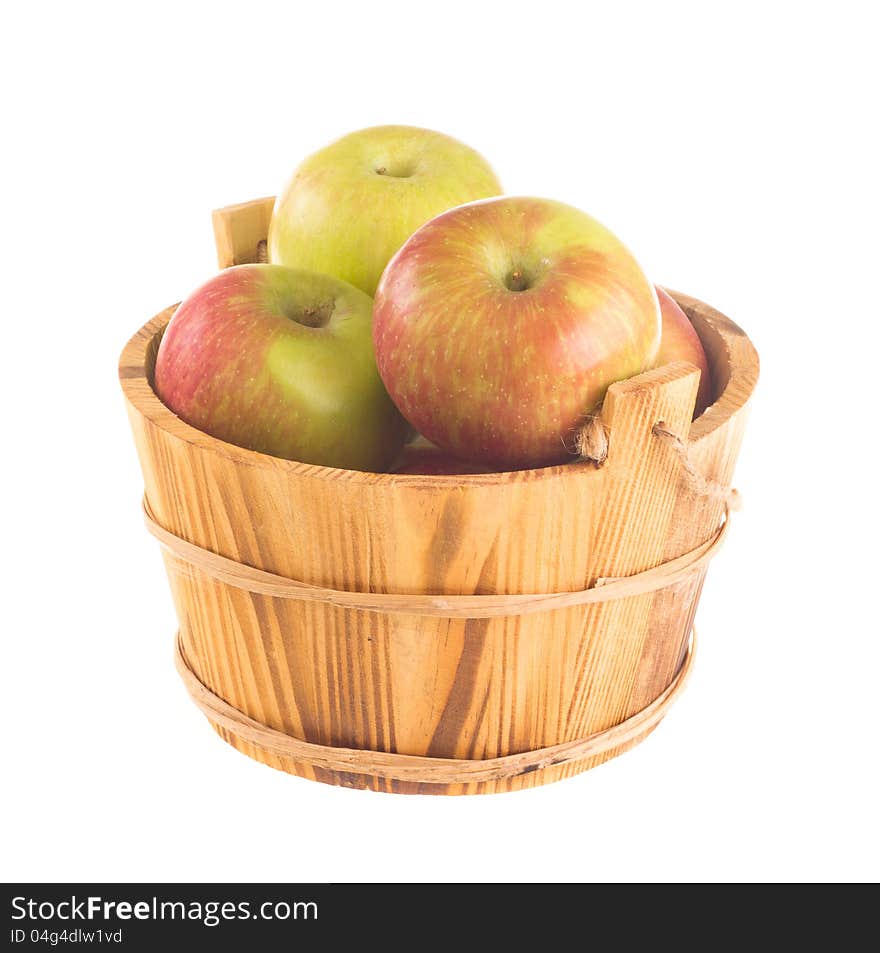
column 734, row 152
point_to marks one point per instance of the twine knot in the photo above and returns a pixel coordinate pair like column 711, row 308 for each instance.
column 699, row 482
column 591, row 444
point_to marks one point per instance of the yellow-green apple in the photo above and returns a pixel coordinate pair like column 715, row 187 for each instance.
column 500, row 324
column 281, row 361
column 680, row 342
column 348, row 207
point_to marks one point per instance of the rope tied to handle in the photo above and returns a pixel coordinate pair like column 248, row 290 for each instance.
column 698, row 482
column 592, row 444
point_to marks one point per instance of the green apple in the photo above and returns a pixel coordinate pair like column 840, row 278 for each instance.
column 348, row 207
column 281, row 361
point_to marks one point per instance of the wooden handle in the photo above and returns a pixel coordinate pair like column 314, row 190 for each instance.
column 239, row 230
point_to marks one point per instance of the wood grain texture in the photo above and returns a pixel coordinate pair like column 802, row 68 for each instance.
column 239, row 229
column 259, row 581
column 421, row 685
column 407, row 767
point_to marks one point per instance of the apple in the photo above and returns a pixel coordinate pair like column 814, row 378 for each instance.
column 348, row 207
column 680, row 342
column 500, row 324
column 280, row 361
column 423, row 457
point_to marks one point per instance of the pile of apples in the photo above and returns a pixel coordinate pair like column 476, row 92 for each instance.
column 413, row 319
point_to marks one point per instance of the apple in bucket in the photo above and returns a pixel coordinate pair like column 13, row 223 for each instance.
column 348, row 207
column 500, row 324
column 420, row 456
column 680, row 342
column 280, row 361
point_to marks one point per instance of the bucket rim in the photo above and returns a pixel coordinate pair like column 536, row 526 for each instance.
column 732, row 355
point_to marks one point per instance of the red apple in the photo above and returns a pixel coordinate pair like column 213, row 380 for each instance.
column 500, row 324
column 423, row 457
column 680, row 342
column 281, row 361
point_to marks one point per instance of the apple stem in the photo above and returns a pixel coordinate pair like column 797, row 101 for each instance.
column 316, row 316
column 517, row 281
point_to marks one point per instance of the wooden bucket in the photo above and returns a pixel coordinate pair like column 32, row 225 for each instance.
column 348, row 666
